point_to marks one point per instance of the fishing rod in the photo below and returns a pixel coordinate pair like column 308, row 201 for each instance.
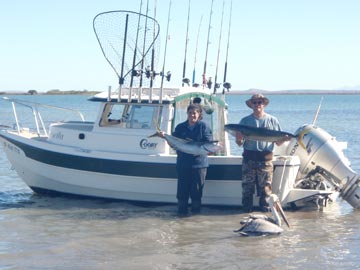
column 166, row 42
column 216, row 85
column 227, row 85
column 152, row 58
column 207, row 46
column 196, row 48
column 186, row 43
column 143, row 50
column 133, row 73
column 121, row 79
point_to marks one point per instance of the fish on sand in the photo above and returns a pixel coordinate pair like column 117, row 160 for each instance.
column 263, row 134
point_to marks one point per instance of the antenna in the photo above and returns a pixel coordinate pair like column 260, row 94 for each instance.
column 317, row 111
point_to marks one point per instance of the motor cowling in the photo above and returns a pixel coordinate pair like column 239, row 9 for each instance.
column 317, row 148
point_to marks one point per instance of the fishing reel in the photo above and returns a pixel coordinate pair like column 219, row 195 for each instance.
column 186, row 80
column 227, row 86
column 150, row 73
column 167, row 76
column 136, row 73
column 209, row 83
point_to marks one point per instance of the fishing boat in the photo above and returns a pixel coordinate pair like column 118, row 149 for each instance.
column 114, row 157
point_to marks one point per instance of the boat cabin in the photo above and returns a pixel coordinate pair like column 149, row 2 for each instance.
column 137, row 119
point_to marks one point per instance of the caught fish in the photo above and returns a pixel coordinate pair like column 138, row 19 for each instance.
column 188, row 146
column 263, row 134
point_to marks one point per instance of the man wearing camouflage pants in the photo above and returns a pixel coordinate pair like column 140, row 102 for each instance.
column 257, row 166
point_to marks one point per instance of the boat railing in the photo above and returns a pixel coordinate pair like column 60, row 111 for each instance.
column 40, row 126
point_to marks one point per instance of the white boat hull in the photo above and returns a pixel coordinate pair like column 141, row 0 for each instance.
column 121, row 160
column 44, row 177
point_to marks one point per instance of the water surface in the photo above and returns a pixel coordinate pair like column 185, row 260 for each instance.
column 41, row 232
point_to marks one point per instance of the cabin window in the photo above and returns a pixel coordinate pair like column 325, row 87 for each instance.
column 113, row 115
column 213, row 114
column 137, row 116
column 143, row 116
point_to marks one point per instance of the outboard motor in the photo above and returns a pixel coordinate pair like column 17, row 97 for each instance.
column 318, row 149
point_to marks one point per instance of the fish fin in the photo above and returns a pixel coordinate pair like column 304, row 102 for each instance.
column 300, row 137
column 232, row 132
column 215, row 148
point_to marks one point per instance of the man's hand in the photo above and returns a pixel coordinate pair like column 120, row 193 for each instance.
column 282, row 140
column 162, row 134
column 239, row 139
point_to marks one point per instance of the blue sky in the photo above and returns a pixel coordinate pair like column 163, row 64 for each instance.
column 274, row 44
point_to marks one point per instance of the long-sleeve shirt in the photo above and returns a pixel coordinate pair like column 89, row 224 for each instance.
column 200, row 132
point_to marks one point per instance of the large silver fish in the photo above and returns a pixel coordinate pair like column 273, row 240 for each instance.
column 188, row 146
column 263, row 134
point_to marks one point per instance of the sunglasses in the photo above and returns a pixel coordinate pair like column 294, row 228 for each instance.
column 259, row 102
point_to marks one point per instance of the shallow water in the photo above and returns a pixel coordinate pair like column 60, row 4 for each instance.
column 43, row 232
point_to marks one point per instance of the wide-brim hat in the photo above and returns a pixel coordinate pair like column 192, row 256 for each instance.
column 264, row 99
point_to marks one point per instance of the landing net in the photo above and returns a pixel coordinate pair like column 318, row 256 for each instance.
column 129, row 41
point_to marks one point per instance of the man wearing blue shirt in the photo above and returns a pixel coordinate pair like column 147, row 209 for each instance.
column 257, row 166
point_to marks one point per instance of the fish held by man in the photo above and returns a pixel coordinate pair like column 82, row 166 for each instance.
column 263, row 134
column 189, row 146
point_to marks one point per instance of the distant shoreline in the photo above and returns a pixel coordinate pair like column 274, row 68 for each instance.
column 294, row 92
column 231, row 92
column 52, row 92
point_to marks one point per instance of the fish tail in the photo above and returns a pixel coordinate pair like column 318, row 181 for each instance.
column 158, row 130
column 300, row 137
column 156, row 134
column 157, row 126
